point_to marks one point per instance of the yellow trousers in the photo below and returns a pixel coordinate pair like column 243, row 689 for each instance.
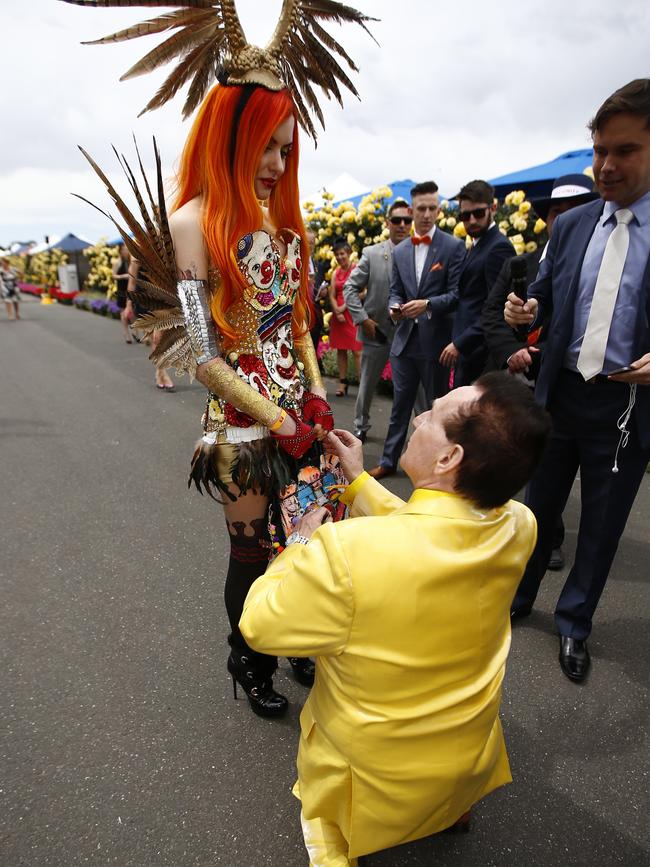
column 325, row 844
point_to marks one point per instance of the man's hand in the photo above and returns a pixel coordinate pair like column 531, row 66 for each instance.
column 349, row 451
column 415, row 308
column 369, row 327
column 311, row 521
column 395, row 312
column 520, row 361
column 449, row 356
column 340, row 317
column 517, row 313
column 640, row 375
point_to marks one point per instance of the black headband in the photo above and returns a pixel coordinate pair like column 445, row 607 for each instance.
column 246, row 93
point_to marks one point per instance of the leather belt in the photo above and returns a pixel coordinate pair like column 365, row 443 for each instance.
column 600, row 377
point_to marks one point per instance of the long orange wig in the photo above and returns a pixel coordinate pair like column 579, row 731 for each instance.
column 224, row 178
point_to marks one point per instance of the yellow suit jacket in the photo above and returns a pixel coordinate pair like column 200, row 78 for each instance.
column 406, row 608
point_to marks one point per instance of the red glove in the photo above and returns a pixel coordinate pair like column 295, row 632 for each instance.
column 298, row 443
column 317, row 410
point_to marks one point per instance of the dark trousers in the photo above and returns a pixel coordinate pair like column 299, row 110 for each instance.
column 468, row 369
column 585, row 437
column 408, row 372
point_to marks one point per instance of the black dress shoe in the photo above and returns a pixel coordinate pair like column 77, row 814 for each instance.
column 519, row 613
column 574, row 658
column 361, row 435
column 556, row 561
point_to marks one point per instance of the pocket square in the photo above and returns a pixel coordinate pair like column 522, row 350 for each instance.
column 437, row 266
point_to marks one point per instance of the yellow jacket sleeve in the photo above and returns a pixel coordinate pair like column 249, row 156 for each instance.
column 303, row 604
column 365, row 496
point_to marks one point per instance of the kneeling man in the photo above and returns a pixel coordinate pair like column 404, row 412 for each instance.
column 407, row 611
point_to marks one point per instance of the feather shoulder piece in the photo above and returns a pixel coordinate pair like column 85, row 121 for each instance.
column 206, row 41
column 148, row 240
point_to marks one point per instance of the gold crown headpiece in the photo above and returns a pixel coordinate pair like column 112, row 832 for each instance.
column 210, row 44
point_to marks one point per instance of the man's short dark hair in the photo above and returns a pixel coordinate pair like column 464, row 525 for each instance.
column 398, row 203
column 503, row 434
column 477, row 191
column 633, row 98
column 425, row 188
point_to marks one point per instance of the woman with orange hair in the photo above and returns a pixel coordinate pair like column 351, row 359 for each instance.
column 230, row 278
column 238, row 238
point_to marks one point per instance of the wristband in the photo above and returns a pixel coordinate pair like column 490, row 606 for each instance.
column 280, row 421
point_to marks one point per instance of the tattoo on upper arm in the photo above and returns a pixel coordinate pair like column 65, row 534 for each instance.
column 188, row 273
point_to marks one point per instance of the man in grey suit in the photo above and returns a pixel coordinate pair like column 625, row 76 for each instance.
column 370, row 313
column 423, row 296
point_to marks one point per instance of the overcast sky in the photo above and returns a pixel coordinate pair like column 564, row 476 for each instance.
column 453, row 91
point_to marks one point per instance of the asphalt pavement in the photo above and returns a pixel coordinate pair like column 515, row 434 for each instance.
column 120, row 741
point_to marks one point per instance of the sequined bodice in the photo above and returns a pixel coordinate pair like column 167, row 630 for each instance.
column 263, row 352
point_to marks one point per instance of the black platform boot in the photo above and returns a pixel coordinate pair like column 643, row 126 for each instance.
column 304, row 669
column 252, row 672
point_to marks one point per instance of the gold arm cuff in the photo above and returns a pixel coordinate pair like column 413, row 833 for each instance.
column 305, row 349
column 224, row 382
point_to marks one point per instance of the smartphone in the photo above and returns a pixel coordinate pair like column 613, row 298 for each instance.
column 626, row 369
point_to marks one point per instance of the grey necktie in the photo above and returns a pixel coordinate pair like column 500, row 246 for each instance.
column 594, row 343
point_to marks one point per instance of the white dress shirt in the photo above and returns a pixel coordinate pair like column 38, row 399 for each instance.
column 420, row 255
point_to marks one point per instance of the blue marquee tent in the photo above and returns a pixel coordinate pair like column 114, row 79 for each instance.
column 401, row 190
column 70, row 244
column 538, row 180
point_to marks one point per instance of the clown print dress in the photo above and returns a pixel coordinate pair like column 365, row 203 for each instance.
column 263, row 354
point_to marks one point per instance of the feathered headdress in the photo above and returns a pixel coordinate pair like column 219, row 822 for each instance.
column 210, row 44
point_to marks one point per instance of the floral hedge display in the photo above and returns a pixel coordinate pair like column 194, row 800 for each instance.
column 515, row 218
column 360, row 226
column 42, row 269
column 96, row 303
column 101, row 258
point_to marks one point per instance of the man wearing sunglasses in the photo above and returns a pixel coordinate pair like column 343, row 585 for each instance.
column 423, row 296
column 370, row 313
column 467, row 352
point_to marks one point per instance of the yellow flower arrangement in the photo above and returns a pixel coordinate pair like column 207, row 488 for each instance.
column 518, row 243
column 360, row 226
column 101, row 258
column 43, row 268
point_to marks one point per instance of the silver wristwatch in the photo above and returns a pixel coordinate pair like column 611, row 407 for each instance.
column 296, row 537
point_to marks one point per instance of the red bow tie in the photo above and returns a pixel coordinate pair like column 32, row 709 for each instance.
column 416, row 239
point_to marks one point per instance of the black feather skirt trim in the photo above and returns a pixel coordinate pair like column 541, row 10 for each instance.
column 260, row 466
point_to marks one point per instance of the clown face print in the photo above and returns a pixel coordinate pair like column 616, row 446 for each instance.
column 291, row 267
column 258, row 258
column 251, row 369
column 279, row 361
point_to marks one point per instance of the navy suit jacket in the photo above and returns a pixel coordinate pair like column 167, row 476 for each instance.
column 555, row 289
column 438, row 283
column 481, row 269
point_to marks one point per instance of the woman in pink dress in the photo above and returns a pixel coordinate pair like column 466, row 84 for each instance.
column 343, row 331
